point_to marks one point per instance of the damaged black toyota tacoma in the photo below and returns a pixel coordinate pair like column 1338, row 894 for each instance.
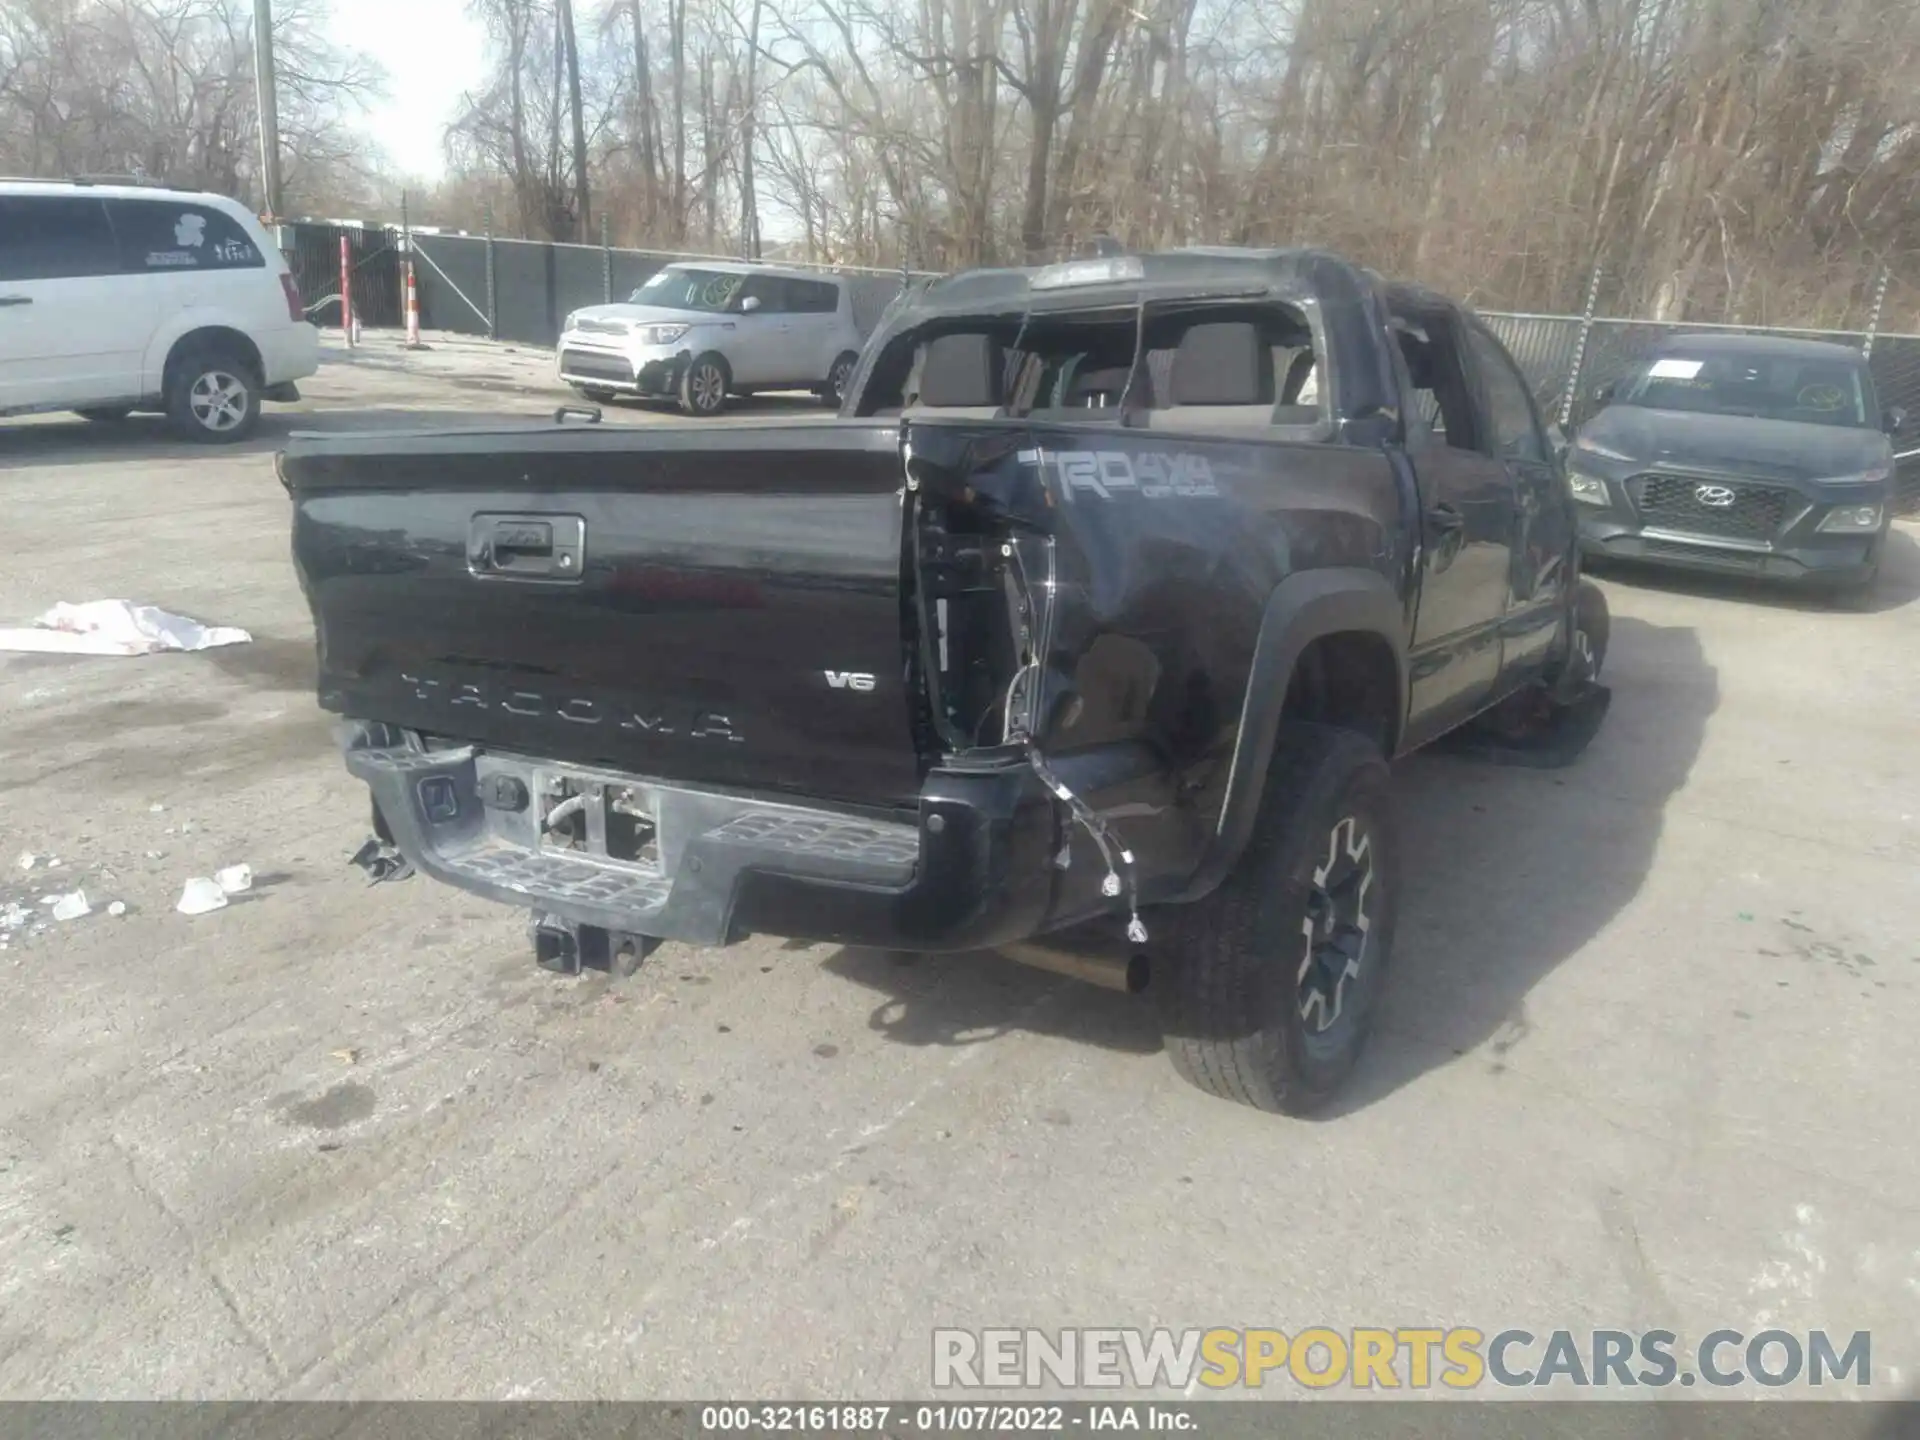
column 1085, row 632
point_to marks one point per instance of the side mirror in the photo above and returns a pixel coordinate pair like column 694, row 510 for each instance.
column 750, row 304
column 1893, row 420
column 1603, row 394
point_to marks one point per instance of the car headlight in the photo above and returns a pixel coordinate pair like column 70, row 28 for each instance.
column 1851, row 519
column 661, row 334
column 1588, row 489
column 1594, row 447
column 1878, row 475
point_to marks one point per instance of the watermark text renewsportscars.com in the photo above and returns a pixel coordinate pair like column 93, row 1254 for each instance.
column 1415, row 1358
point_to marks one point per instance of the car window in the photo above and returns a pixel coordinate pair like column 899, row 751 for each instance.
column 679, row 288
column 1757, row 384
column 769, row 290
column 1516, row 433
column 54, row 237
column 166, row 235
column 1442, row 400
column 814, row 297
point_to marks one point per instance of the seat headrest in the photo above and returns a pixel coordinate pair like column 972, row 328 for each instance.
column 1223, row 363
column 962, row 370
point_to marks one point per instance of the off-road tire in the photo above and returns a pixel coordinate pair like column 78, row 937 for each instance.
column 213, row 396
column 704, row 385
column 1227, row 973
column 105, row 414
column 835, row 389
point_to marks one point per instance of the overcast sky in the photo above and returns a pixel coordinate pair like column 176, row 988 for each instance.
column 432, row 52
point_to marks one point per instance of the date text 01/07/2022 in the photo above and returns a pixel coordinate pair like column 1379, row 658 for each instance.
column 942, row 1419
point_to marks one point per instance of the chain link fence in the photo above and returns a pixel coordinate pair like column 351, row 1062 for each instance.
column 518, row 290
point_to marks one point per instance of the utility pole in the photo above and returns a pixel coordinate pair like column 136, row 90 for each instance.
column 269, row 107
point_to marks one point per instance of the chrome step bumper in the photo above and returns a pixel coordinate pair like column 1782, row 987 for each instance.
column 452, row 813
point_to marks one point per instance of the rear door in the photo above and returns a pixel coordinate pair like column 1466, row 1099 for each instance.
column 190, row 264
column 68, row 333
column 1543, row 522
column 762, row 348
column 815, row 303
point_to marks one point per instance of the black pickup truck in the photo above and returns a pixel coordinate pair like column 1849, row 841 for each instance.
column 1085, row 632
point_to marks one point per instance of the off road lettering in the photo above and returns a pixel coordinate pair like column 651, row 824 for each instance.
column 1152, row 474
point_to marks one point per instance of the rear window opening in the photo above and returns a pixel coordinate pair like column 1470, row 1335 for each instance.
column 1198, row 367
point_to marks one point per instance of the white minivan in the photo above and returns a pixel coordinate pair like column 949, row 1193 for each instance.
column 116, row 298
column 700, row 331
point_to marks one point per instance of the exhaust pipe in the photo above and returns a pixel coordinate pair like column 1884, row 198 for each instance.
column 1119, row 968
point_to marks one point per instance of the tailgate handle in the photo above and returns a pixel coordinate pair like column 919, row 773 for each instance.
column 527, row 547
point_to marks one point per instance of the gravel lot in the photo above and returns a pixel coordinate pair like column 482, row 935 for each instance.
column 1649, row 1059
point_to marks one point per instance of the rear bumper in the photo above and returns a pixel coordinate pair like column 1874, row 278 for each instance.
column 288, row 354
column 973, row 870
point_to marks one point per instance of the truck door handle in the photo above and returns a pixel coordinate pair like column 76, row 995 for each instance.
column 1445, row 519
column 16, row 300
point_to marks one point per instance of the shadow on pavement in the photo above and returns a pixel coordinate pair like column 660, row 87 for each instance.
column 970, row 999
column 1506, row 875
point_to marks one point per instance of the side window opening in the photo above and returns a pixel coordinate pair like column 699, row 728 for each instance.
column 54, row 237
column 1200, row 368
column 1442, row 400
column 1516, row 431
column 157, row 236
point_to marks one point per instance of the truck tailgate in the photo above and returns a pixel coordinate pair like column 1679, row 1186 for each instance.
column 719, row 606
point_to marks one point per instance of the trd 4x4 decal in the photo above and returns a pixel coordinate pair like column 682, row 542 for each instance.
column 1154, row 474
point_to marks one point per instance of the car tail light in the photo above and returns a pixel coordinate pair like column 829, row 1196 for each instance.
column 295, row 310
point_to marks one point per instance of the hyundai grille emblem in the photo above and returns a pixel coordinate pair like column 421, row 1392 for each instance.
column 1718, row 496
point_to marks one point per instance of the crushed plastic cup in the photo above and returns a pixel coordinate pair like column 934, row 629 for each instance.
column 72, row 907
column 200, row 895
column 235, row 879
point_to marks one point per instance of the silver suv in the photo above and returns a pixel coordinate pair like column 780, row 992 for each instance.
column 702, row 331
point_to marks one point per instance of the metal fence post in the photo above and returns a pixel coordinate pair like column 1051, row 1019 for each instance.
column 493, row 314
column 1580, row 350
column 606, row 261
column 1873, row 315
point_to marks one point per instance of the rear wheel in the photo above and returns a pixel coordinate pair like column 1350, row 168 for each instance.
column 1267, row 987
column 703, row 388
column 105, row 414
column 835, row 390
column 213, row 397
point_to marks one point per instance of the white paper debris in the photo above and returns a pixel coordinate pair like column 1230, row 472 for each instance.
column 116, row 627
column 54, row 863
column 156, row 809
column 13, row 917
column 27, row 860
column 72, row 907
column 1675, row 369
column 235, row 879
column 199, row 895
column 117, row 909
